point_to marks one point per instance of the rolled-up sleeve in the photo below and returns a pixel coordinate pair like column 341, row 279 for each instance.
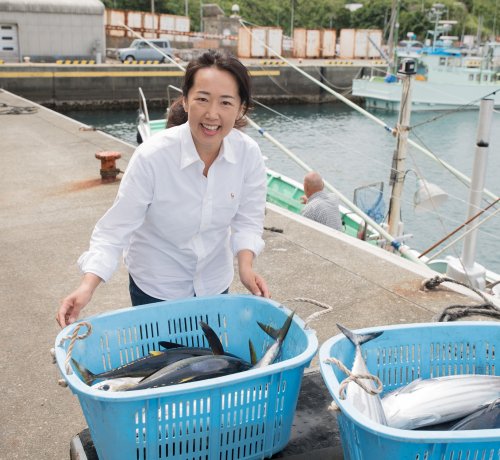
column 112, row 232
column 248, row 223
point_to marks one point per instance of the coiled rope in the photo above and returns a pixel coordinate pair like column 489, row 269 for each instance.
column 454, row 312
column 6, row 109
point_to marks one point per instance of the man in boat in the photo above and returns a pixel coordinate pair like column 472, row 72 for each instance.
column 321, row 206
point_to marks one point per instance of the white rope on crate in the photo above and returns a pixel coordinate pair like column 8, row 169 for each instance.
column 74, row 337
column 327, row 308
column 356, row 378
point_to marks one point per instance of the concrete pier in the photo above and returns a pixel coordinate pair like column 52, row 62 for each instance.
column 51, row 196
column 115, row 85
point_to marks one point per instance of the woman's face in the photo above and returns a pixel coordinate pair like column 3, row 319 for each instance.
column 213, row 104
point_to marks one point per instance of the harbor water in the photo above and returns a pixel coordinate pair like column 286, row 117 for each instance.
column 350, row 151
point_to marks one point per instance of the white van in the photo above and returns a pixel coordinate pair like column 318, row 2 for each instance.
column 140, row 50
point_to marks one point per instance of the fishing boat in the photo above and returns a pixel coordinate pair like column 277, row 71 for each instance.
column 445, row 80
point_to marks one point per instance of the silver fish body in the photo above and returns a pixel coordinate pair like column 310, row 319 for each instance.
column 366, row 403
column 192, row 370
column 439, row 400
column 117, row 384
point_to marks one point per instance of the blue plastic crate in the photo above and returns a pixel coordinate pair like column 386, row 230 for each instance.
column 242, row 416
column 400, row 355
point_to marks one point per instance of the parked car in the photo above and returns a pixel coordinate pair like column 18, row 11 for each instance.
column 141, row 50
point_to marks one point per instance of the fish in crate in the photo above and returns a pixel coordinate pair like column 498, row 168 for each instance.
column 244, row 415
column 431, row 373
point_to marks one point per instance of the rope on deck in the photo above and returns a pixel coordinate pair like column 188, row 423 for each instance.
column 454, row 312
column 6, row 109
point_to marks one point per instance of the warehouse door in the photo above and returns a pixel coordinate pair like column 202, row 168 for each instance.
column 9, row 43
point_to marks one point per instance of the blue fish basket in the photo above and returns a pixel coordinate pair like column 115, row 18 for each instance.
column 247, row 415
column 400, row 355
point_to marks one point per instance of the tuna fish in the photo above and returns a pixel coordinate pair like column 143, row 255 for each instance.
column 368, row 404
column 156, row 360
column 279, row 336
column 439, row 400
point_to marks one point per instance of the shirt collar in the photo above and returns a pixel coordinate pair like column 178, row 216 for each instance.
column 317, row 194
column 189, row 155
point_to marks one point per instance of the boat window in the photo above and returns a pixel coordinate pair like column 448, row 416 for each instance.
column 485, row 77
column 478, row 77
column 471, row 77
column 442, row 61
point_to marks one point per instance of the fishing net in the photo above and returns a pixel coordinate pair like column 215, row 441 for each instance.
column 370, row 199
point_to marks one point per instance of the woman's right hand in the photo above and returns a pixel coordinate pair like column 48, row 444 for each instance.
column 71, row 306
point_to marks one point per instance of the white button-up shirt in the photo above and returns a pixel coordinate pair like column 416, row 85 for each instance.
column 178, row 229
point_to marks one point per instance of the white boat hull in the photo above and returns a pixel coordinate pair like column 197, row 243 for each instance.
column 425, row 95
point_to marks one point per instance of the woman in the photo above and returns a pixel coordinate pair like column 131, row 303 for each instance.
column 192, row 197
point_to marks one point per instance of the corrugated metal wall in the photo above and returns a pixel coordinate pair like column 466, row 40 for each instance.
column 47, row 34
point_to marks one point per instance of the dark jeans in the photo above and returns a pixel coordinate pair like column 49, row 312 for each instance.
column 139, row 297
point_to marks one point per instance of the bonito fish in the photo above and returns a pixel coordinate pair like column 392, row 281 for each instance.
column 279, row 336
column 366, row 403
column 156, row 360
column 190, row 369
column 438, row 400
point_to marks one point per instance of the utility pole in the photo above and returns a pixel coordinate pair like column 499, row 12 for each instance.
column 291, row 17
column 152, row 6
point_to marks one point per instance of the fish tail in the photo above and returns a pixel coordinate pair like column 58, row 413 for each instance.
column 358, row 339
column 87, row 376
column 213, row 341
column 278, row 334
column 253, row 354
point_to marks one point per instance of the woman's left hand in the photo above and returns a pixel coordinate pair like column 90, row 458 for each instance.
column 254, row 282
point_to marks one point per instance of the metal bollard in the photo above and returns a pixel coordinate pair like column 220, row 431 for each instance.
column 109, row 171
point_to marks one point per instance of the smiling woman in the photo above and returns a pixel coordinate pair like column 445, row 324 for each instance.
column 192, row 197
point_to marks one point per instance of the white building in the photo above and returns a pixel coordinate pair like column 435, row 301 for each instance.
column 47, row 30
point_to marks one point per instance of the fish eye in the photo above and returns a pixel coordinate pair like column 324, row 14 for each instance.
column 105, row 387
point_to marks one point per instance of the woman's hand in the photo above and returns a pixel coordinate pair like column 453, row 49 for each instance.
column 72, row 305
column 251, row 280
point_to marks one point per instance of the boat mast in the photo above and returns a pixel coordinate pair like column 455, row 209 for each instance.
column 466, row 269
column 405, row 72
column 391, row 39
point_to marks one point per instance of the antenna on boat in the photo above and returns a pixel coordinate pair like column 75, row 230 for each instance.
column 465, row 269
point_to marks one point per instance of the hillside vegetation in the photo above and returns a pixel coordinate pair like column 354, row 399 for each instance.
column 475, row 17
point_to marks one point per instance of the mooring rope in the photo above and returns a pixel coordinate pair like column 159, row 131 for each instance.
column 454, row 312
column 6, row 109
